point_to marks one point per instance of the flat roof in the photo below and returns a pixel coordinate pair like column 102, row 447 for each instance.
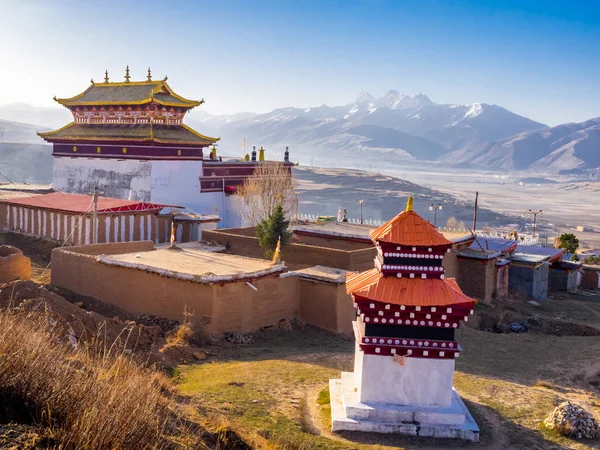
column 346, row 230
column 320, row 273
column 79, row 204
column 342, row 230
column 193, row 264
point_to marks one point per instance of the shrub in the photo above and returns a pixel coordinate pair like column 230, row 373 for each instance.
column 269, row 231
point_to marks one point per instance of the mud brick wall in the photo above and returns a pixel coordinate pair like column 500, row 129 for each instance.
column 296, row 256
column 13, row 264
column 233, row 306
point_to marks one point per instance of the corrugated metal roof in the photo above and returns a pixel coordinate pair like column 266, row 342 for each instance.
column 405, row 291
column 552, row 253
column 78, row 204
column 498, row 245
column 408, row 228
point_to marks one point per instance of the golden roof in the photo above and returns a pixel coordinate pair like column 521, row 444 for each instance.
column 129, row 93
column 164, row 134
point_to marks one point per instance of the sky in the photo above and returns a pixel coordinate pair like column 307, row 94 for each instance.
column 539, row 59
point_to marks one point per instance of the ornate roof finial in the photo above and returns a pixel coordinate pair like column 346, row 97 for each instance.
column 409, row 204
column 166, row 78
column 92, row 81
column 127, row 77
column 106, row 76
column 149, row 75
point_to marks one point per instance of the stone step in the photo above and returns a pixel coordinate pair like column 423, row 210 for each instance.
column 341, row 422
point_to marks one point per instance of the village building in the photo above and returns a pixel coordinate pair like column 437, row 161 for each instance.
column 69, row 219
column 482, row 267
column 530, row 270
column 129, row 139
column 564, row 276
column 408, row 313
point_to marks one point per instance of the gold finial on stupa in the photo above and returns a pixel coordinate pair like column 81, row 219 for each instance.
column 106, row 76
column 149, row 75
column 409, row 204
column 127, row 77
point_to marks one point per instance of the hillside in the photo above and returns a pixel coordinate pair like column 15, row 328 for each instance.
column 40, row 117
column 25, row 163
column 564, row 147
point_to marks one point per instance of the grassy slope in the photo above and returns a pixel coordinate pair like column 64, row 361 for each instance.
column 497, row 375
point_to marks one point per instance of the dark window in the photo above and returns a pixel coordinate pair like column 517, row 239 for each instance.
column 437, row 334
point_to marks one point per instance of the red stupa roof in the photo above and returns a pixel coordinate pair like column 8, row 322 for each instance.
column 405, row 291
column 408, row 228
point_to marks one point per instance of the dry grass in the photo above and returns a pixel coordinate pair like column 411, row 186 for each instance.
column 85, row 399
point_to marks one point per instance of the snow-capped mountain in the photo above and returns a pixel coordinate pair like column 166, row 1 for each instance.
column 392, row 128
column 394, row 124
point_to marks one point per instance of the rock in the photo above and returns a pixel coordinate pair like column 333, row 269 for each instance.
column 128, row 351
column 533, row 320
column 200, row 356
column 571, row 420
column 239, row 338
column 516, row 327
column 284, row 325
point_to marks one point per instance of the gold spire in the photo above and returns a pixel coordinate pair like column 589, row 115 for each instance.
column 106, row 76
column 127, row 77
column 409, row 204
column 149, row 75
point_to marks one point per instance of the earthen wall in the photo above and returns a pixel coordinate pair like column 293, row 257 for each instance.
column 296, row 256
column 13, row 264
column 332, row 242
column 220, row 307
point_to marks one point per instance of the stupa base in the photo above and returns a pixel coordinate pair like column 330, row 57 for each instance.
column 349, row 414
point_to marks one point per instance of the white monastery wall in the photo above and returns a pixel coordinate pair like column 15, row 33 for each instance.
column 169, row 182
column 175, row 182
column 116, row 178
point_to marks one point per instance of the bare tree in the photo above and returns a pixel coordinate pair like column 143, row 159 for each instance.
column 452, row 222
column 269, row 186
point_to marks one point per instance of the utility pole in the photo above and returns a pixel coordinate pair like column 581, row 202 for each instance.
column 535, row 214
column 361, row 211
column 435, row 209
column 95, row 224
column 475, row 212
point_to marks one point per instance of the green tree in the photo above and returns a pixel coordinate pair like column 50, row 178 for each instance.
column 568, row 242
column 269, row 230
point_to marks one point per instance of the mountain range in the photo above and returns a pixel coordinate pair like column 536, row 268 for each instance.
column 392, row 128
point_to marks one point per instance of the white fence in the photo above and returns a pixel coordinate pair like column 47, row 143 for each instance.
column 525, row 239
column 367, row 221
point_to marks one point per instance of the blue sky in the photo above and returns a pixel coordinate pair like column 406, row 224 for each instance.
column 539, row 59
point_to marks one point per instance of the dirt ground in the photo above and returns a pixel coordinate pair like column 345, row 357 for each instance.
column 274, row 391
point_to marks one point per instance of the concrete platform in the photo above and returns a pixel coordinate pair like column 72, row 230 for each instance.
column 349, row 414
